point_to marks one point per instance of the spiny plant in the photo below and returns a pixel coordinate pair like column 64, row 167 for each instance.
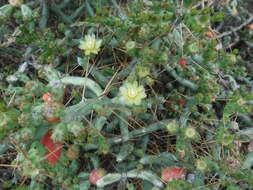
column 143, row 95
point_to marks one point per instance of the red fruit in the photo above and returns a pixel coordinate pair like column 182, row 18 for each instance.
column 47, row 97
column 250, row 26
column 209, row 34
column 173, row 173
column 53, row 149
column 182, row 62
column 96, row 174
column 181, row 102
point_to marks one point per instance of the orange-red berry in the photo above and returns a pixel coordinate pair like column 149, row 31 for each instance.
column 53, row 149
column 182, row 62
column 47, row 97
column 173, row 173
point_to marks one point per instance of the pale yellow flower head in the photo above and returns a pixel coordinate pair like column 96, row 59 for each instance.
column 132, row 93
column 16, row 3
column 90, row 44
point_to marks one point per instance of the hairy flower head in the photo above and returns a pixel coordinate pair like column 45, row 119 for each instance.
column 132, row 93
column 90, row 44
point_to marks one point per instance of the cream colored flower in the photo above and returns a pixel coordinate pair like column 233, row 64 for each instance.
column 90, row 44
column 131, row 93
column 16, row 3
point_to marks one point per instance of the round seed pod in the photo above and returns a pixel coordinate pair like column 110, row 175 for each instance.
column 72, row 152
column 51, row 111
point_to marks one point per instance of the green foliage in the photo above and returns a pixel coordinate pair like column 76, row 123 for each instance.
column 178, row 185
column 132, row 88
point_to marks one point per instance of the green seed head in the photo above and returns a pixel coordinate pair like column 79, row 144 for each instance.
column 172, row 127
column 130, row 45
column 201, row 165
column 190, row 132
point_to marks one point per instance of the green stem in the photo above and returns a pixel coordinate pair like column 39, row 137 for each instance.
column 45, row 16
column 122, row 15
column 78, row 12
column 89, row 9
column 80, row 81
column 64, row 4
column 145, row 175
column 133, row 134
column 60, row 14
column 182, row 81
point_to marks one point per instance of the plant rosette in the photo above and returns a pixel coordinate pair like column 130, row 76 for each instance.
column 173, row 173
column 96, row 175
